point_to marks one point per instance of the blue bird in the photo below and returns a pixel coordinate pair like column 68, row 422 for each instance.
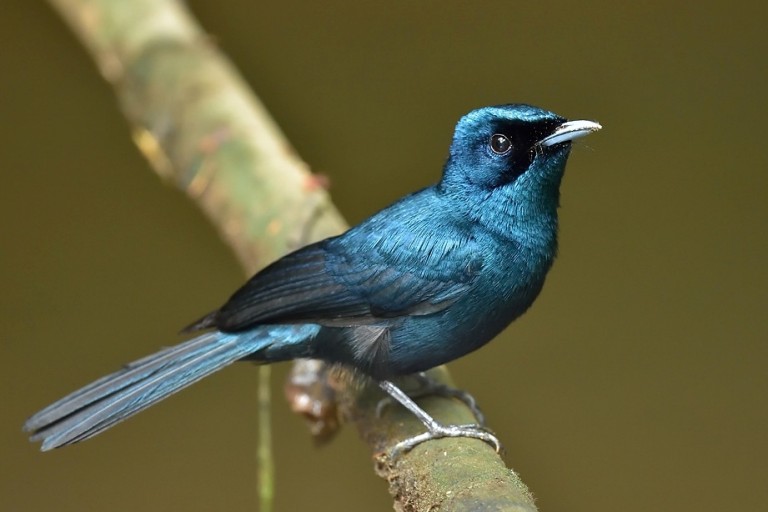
column 425, row 281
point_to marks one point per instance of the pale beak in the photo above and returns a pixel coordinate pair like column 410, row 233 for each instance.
column 568, row 131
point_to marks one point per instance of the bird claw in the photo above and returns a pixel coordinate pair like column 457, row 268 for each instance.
column 435, row 429
column 430, row 387
column 439, row 431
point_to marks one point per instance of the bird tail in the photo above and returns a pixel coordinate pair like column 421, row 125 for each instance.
column 116, row 397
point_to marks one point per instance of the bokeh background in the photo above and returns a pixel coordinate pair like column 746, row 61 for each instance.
column 638, row 380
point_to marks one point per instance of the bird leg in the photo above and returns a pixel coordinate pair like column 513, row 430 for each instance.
column 435, row 430
column 429, row 387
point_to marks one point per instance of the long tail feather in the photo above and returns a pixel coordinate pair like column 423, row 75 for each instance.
column 140, row 384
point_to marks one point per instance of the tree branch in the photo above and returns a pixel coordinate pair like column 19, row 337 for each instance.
column 200, row 127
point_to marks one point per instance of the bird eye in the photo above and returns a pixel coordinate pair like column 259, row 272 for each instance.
column 500, row 144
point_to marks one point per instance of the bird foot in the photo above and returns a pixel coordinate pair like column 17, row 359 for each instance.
column 439, row 431
column 431, row 387
column 435, row 429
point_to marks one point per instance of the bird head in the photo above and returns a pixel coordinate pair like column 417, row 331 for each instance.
column 494, row 147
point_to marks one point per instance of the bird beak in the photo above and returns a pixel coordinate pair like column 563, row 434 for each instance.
column 569, row 131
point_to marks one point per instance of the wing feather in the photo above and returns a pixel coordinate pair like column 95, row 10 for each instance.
column 329, row 283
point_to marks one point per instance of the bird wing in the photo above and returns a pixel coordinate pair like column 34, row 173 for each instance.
column 344, row 281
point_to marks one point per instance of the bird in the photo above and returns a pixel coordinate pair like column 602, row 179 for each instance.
column 430, row 278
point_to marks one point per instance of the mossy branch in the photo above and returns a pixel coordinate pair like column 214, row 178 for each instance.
column 201, row 127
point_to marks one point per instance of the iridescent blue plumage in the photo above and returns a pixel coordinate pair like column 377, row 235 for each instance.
column 425, row 281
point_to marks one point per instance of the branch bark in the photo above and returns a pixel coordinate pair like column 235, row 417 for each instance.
column 201, row 128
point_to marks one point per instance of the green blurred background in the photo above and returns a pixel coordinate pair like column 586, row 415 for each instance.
column 638, row 380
